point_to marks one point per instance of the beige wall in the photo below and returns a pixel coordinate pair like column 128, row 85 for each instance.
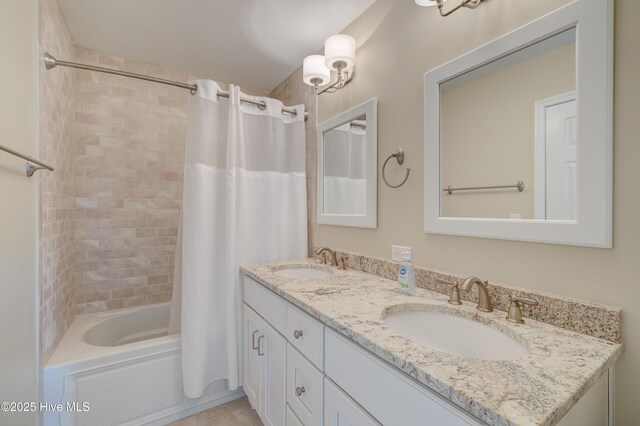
column 487, row 131
column 398, row 41
column 18, row 209
column 57, row 193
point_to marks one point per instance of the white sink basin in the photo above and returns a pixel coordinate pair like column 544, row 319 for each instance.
column 302, row 272
column 455, row 335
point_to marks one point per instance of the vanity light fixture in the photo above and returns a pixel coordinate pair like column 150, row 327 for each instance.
column 471, row 4
column 339, row 56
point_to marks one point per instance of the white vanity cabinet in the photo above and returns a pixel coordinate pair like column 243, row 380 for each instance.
column 298, row 372
column 265, row 368
column 390, row 396
column 305, row 388
column 283, row 377
column 341, row 410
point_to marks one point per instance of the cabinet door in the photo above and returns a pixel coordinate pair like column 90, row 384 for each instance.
column 274, row 348
column 340, row 410
column 385, row 392
column 292, row 419
column 304, row 388
column 251, row 360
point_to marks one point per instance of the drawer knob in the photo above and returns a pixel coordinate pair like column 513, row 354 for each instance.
column 297, row 334
column 299, row 390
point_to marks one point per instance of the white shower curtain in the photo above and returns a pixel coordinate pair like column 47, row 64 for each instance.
column 244, row 201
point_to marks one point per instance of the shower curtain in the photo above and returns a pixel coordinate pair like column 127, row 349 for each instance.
column 244, row 202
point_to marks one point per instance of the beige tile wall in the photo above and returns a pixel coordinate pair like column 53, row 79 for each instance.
column 130, row 141
column 293, row 91
column 56, row 108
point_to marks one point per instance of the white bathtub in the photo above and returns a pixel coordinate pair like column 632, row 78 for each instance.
column 125, row 366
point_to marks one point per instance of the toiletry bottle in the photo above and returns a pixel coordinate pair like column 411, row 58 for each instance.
column 406, row 275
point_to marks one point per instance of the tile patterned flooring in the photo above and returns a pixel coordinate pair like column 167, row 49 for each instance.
column 234, row 413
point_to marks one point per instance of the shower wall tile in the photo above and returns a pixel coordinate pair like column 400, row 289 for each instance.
column 130, row 141
column 293, row 91
column 129, row 138
column 56, row 109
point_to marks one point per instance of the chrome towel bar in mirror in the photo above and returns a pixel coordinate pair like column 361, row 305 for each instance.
column 399, row 156
column 450, row 189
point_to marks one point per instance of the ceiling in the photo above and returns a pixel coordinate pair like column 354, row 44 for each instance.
column 253, row 43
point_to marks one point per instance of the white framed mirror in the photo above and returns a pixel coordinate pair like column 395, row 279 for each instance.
column 518, row 133
column 347, row 168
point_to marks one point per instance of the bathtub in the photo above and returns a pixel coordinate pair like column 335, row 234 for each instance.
column 120, row 367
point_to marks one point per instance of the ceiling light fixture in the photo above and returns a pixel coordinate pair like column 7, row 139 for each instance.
column 339, row 56
column 471, row 4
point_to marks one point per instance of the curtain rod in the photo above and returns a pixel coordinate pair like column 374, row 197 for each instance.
column 50, row 62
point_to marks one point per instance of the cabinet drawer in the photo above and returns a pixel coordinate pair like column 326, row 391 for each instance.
column 306, row 334
column 387, row 394
column 292, row 419
column 267, row 304
column 340, row 410
column 304, row 388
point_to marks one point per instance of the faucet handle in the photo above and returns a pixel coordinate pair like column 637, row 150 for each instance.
column 343, row 263
column 515, row 308
column 454, row 296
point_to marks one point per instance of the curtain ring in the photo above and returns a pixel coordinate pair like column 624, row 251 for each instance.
column 399, row 156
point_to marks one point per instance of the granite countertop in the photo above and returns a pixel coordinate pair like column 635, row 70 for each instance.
column 538, row 389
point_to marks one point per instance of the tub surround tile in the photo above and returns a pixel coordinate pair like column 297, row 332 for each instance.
column 603, row 322
column 130, row 149
column 57, row 189
column 129, row 138
column 538, row 389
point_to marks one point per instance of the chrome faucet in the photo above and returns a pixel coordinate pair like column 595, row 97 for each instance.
column 322, row 251
column 484, row 302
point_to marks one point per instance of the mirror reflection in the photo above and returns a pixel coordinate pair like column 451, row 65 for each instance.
column 344, row 168
column 508, row 135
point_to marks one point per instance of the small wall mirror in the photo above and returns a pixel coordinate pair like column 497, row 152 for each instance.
column 518, row 133
column 347, row 158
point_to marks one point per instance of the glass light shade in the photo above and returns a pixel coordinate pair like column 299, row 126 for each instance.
column 314, row 71
column 426, row 2
column 340, row 49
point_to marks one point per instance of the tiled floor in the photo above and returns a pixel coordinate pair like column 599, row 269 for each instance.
column 234, row 413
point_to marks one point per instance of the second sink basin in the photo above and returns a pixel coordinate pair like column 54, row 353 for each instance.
column 453, row 334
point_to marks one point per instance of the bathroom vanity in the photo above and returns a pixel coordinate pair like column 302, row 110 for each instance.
column 321, row 348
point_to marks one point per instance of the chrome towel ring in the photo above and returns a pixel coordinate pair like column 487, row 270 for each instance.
column 399, row 156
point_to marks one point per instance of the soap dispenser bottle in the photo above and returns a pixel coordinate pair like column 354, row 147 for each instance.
column 406, row 275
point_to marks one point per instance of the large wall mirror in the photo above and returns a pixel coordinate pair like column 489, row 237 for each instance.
column 347, row 184
column 518, row 133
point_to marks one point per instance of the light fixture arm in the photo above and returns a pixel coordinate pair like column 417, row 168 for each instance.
column 471, row 4
column 339, row 56
column 343, row 78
